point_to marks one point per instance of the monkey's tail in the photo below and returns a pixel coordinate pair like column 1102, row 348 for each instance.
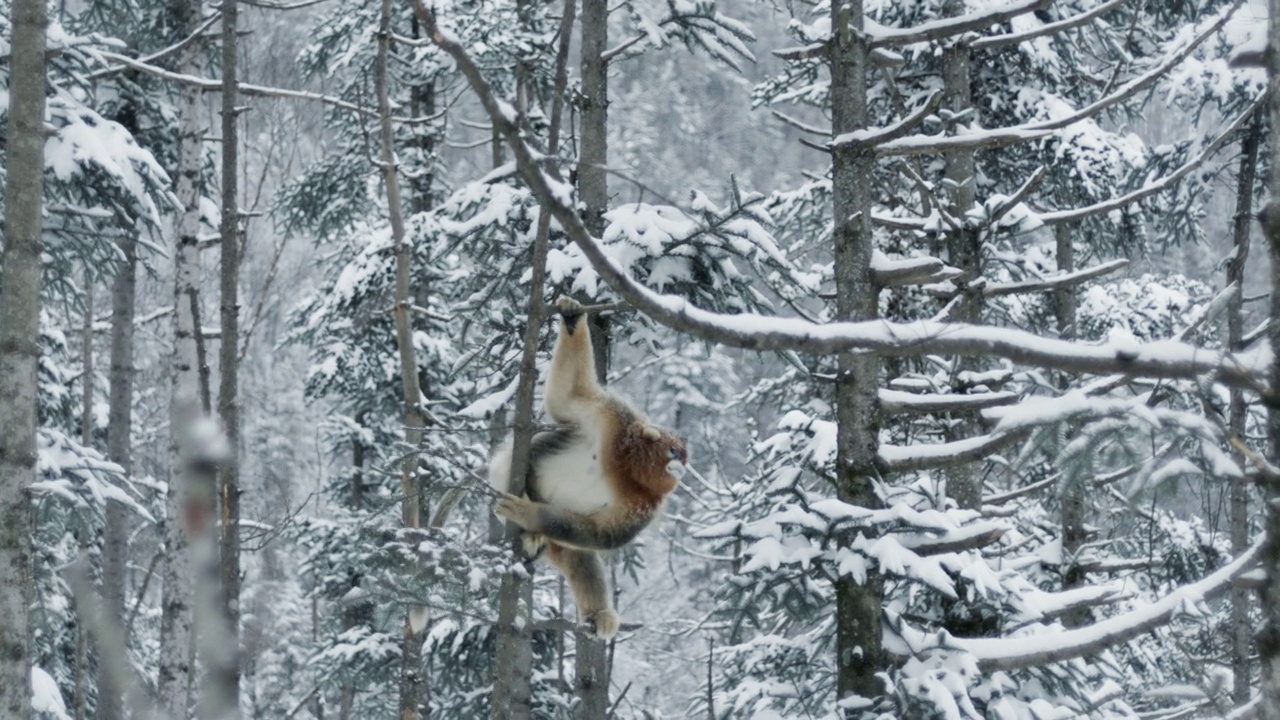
column 447, row 504
column 454, row 495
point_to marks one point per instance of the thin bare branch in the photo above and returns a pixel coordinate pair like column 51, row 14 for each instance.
column 869, row 138
column 1075, row 214
column 999, row 41
column 986, row 139
column 211, row 85
column 896, row 401
column 953, row 26
column 1053, row 282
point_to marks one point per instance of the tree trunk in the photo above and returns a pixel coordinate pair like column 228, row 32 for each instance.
column 115, row 542
column 86, row 439
column 226, row 670
column 176, row 674
column 1241, row 628
column 1269, row 635
column 964, row 249
column 513, row 666
column 858, row 651
column 412, row 678
column 1073, row 489
column 358, row 612
column 86, row 362
column 19, row 343
column 591, row 660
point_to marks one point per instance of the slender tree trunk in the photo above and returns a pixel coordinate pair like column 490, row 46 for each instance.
column 1269, row 635
column 115, row 542
column 412, row 677
column 226, row 672
column 964, row 246
column 1241, row 628
column 513, row 666
column 19, row 343
column 186, row 410
column 86, row 362
column 1073, row 489
column 359, row 612
column 86, row 439
column 591, row 660
column 858, row 651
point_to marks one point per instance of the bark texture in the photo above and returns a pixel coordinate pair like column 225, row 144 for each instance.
column 1241, row 629
column 412, row 672
column 1269, row 636
column 225, row 686
column 858, row 643
column 186, row 411
column 964, row 246
column 115, row 542
column 19, row 343
column 591, row 661
column 1073, row 489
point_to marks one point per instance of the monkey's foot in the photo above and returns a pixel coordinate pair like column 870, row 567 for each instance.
column 521, row 511
column 602, row 623
column 533, row 544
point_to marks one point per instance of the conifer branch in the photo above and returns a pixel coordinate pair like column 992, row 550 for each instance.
column 755, row 332
column 951, row 27
column 1053, row 28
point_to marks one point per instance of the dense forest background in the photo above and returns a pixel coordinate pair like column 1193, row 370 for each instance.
column 963, row 307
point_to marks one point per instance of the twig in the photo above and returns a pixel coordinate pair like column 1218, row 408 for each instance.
column 303, row 702
column 142, row 592
column 616, row 703
column 161, row 54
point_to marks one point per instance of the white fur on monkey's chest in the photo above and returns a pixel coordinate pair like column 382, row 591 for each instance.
column 573, row 479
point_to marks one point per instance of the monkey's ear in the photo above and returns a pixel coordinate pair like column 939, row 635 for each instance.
column 651, row 433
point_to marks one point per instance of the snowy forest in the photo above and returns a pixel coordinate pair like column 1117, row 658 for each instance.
column 966, row 312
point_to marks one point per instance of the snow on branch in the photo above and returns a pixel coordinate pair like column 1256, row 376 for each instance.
column 896, row 401
column 1052, row 282
column 887, row 272
column 750, row 331
column 950, row 27
column 164, row 52
column 999, row 41
column 869, row 137
column 1014, row 653
column 1074, row 214
column 244, row 88
column 973, row 536
column 1098, row 481
column 1000, row 137
column 905, row 458
column 818, row 50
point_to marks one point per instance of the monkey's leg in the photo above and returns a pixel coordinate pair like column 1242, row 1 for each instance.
column 606, row 530
column 585, row 572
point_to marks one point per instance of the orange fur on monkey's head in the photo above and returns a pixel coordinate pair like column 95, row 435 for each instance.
column 659, row 457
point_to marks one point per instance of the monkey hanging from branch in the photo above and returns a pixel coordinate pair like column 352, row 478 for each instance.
column 595, row 481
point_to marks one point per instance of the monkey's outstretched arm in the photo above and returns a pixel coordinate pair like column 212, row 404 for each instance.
column 603, row 531
column 572, row 394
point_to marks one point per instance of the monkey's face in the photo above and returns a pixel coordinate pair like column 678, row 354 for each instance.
column 677, row 456
column 668, row 448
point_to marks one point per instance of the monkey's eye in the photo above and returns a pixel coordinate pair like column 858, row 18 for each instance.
column 675, row 453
